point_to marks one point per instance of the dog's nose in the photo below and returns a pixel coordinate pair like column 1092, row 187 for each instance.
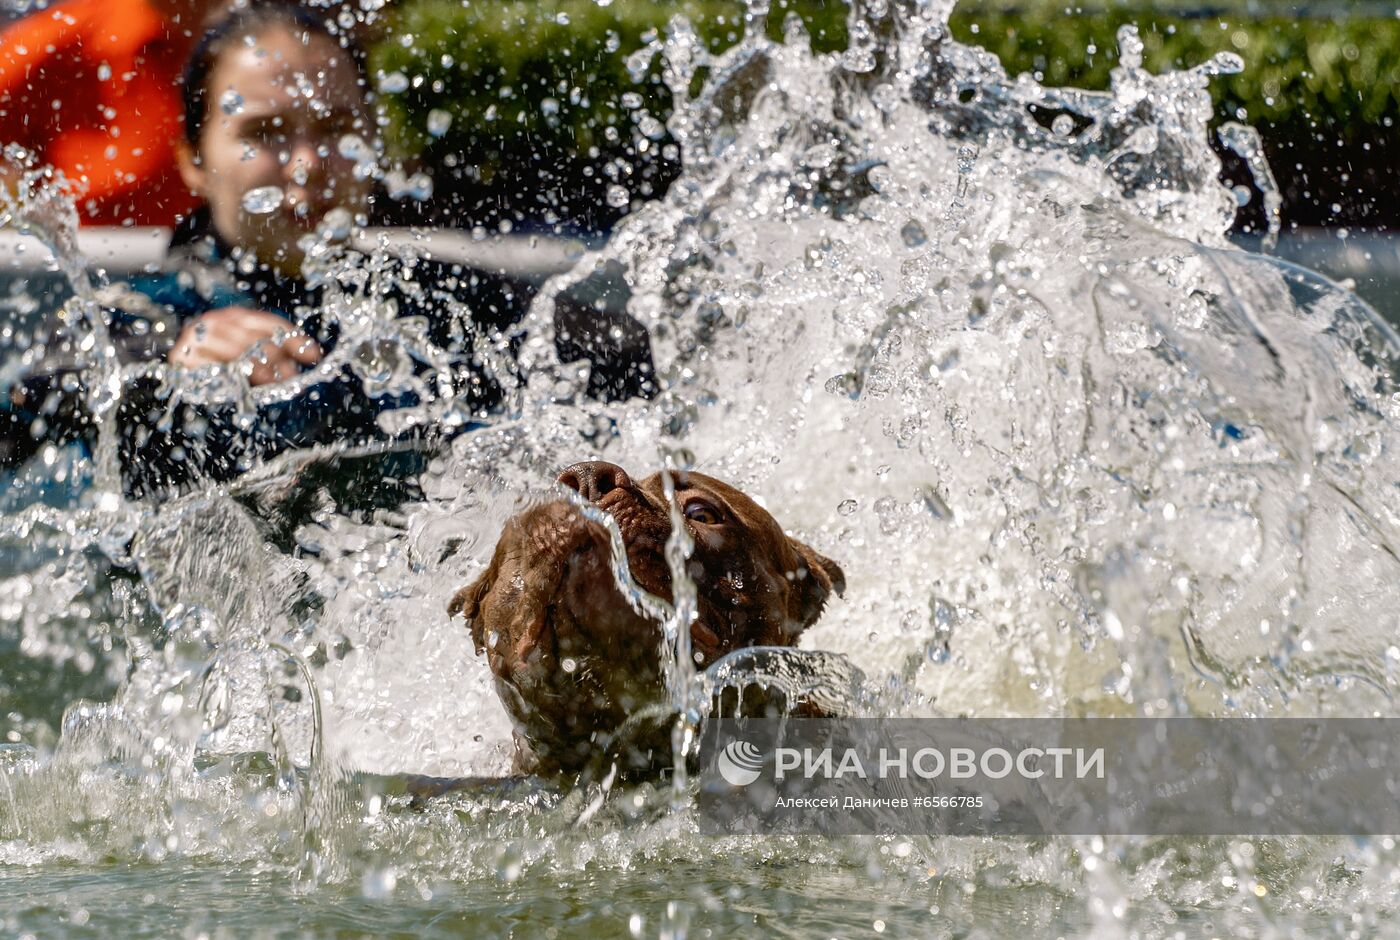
column 594, row 479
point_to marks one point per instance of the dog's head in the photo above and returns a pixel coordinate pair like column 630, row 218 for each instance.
column 572, row 657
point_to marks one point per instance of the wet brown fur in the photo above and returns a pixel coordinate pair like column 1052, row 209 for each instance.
column 572, row 659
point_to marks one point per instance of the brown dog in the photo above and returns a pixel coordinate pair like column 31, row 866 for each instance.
column 573, row 659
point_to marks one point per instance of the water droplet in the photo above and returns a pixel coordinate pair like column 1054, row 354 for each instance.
column 967, row 158
column 820, row 156
column 1143, row 140
column 1130, row 47
column 847, row 506
column 639, row 61
column 418, row 186
column 859, row 56
column 438, row 122
column 1225, row 63
column 935, row 503
column 886, row 97
column 336, row 225
column 352, row 147
column 846, row 384
column 942, row 618
column 650, row 127
column 887, row 509
column 262, row 200
column 1062, row 126
column 230, row 102
column 393, row 83
column 618, row 197
column 104, row 72
column 379, row 885
column 508, row 866
column 913, row 234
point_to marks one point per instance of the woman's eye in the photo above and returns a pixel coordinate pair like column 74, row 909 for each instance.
column 262, row 133
column 702, row 513
column 338, row 125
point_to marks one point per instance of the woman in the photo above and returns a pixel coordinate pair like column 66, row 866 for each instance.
column 275, row 122
column 269, row 95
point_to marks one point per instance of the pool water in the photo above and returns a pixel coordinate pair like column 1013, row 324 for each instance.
column 1077, row 454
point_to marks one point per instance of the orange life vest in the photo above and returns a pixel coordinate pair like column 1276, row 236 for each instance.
column 93, row 88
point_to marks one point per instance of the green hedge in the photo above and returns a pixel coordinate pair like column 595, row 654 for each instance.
column 1295, row 69
column 547, row 78
column 529, row 68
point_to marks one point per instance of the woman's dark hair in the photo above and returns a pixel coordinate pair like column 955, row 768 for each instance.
column 252, row 20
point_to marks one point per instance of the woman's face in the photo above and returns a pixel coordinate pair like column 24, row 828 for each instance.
column 278, row 109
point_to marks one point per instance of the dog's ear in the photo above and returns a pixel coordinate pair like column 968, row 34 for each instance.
column 466, row 602
column 815, row 579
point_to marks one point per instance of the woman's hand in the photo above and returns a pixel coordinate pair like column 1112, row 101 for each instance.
column 228, row 334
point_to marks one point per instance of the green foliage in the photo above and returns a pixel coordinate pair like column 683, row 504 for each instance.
column 547, row 71
column 1345, row 72
column 544, row 114
column 555, row 69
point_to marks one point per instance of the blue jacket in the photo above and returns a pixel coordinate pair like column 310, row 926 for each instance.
column 163, row 448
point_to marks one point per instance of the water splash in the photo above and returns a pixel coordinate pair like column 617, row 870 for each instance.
column 38, row 201
column 262, row 200
column 983, row 342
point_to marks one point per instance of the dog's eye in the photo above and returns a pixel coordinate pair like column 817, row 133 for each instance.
column 702, row 512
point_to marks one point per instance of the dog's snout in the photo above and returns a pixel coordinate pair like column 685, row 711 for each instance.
column 594, row 479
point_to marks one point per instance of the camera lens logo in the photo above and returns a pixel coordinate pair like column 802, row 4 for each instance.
column 740, row 763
